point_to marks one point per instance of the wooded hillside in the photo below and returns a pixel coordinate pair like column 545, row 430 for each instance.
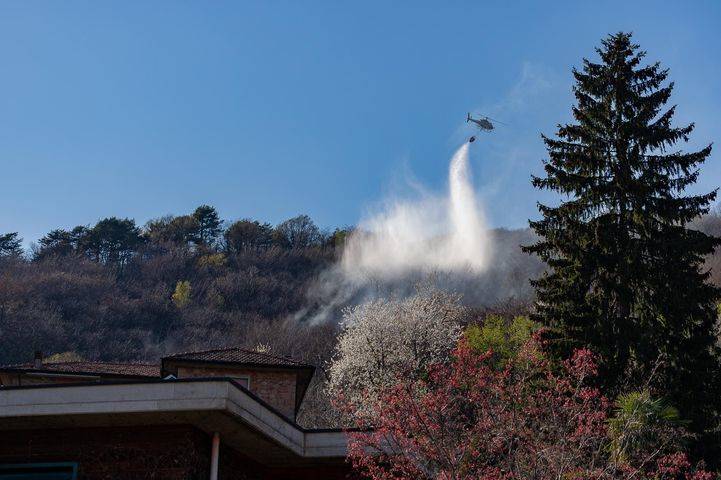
column 117, row 291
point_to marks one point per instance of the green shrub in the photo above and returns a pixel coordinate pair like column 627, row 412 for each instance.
column 64, row 357
column 181, row 295
column 501, row 336
column 640, row 420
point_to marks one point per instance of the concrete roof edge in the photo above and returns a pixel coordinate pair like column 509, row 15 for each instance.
column 153, row 395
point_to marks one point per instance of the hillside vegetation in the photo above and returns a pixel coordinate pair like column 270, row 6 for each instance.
column 116, row 291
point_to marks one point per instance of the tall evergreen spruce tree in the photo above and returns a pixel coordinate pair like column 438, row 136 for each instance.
column 626, row 275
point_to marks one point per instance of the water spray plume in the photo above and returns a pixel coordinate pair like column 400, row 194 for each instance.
column 432, row 233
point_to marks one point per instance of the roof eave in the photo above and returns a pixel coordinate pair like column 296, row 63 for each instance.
column 239, row 364
column 237, row 401
column 48, row 371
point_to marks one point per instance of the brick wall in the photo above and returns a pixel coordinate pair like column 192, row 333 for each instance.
column 276, row 387
column 119, row 453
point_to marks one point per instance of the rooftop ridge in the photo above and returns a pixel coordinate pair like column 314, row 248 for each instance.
column 188, row 352
column 236, row 349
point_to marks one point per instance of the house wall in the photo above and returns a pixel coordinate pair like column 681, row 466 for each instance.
column 163, row 452
column 276, row 387
column 157, row 452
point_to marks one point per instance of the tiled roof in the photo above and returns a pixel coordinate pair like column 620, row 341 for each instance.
column 79, row 368
column 237, row 355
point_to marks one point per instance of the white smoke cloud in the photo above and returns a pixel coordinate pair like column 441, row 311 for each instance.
column 443, row 239
column 438, row 240
column 432, row 233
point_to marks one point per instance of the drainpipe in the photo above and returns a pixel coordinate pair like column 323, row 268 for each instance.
column 214, row 452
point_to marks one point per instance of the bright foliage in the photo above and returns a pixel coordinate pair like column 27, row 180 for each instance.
column 382, row 339
column 468, row 419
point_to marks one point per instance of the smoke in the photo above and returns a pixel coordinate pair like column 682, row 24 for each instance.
column 436, row 240
column 430, row 234
column 442, row 239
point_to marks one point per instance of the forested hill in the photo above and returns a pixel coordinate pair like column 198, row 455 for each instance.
column 118, row 291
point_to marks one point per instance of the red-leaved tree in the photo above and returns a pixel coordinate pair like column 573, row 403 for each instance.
column 471, row 420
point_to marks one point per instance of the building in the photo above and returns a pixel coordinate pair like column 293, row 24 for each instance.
column 214, row 414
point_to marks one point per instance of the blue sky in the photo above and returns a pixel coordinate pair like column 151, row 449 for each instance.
column 269, row 109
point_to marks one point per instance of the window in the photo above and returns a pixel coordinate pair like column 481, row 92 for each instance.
column 39, row 471
column 243, row 381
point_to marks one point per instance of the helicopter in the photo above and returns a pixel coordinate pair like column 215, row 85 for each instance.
column 483, row 123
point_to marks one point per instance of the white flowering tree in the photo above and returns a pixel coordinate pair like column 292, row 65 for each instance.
column 383, row 339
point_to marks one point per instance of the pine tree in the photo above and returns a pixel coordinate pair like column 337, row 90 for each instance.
column 208, row 225
column 10, row 245
column 626, row 275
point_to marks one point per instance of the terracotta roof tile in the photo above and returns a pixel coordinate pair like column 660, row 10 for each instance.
column 237, row 355
column 107, row 368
